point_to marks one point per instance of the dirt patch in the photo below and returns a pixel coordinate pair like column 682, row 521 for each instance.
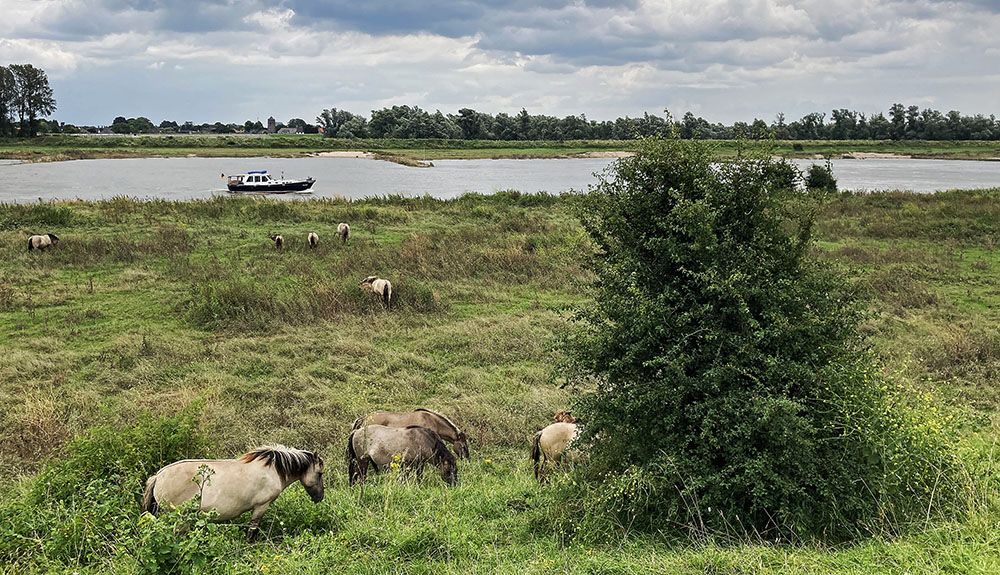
column 874, row 156
column 608, row 154
column 344, row 154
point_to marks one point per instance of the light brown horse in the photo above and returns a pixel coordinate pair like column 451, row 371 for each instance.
column 424, row 418
column 412, row 447
column 552, row 444
column 42, row 242
column 232, row 487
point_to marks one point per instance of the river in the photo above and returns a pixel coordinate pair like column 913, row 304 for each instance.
column 187, row 178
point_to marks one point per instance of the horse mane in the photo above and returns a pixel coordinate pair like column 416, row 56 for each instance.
column 442, row 416
column 287, row 461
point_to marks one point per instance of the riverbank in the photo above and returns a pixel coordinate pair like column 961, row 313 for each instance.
column 159, row 307
column 418, row 152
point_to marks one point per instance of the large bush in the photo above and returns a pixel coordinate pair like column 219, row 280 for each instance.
column 86, row 501
column 731, row 388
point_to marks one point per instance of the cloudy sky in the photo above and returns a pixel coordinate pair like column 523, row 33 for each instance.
column 219, row 60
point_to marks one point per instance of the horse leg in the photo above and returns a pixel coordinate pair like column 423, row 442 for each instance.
column 253, row 531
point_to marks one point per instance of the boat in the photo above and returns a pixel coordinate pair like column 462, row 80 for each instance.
column 260, row 182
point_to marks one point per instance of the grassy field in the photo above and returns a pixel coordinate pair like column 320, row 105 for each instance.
column 60, row 147
column 148, row 309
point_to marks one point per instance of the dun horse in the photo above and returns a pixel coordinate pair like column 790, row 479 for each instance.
column 235, row 486
column 378, row 445
column 42, row 241
column 551, row 444
column 378, row 287
column 424, row 418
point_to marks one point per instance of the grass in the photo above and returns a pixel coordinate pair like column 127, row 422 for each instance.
column 157, row 307
column 411, row 152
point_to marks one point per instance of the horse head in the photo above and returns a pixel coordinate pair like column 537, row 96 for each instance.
column 312, row 478
column 462, row 446
column 446, row 463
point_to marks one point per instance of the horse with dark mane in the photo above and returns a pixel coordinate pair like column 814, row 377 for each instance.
column 552, row 445
column 413, row 447
column 231, row 487
column 424, row 418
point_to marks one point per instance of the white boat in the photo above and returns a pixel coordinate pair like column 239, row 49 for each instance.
column 260, row 182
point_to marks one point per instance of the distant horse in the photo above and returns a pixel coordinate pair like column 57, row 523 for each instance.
column 378, row 445
column 379, row 287
column 424, row 418
column 42, row 241
column 313, row 239
column 551, row 444
column 235, row 486
column 279, row 241
column 344, row 231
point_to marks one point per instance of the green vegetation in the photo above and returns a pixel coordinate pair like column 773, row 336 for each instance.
column 151, row 315
column 723, row 366
column 75, row 147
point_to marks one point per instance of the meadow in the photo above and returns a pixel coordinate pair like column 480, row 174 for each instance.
column 407, row 151
column 159, row 327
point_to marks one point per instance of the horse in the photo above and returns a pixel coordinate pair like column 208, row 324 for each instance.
column 232, row 487
column 551, row 444
column 278, row 240
column 415, row 446
column 344, row 231
column 379, row 287
column 313, row 239
column 424, row 418
column 42, row 241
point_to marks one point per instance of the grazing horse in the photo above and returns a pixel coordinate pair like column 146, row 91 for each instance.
column 313, row 239
column 551, row 444
column 344, row 231
column 234, row 486
column 414, row 446
column 379, row 287
column 42, row 241
column 424, row 418
column 279, row 242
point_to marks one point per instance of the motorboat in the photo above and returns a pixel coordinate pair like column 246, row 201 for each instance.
column 260, row 182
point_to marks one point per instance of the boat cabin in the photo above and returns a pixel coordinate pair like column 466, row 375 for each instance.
column 251, row 177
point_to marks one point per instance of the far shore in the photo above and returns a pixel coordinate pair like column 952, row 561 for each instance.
column 422, row 153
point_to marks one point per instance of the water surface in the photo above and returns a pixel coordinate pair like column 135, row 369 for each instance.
column 187, row 178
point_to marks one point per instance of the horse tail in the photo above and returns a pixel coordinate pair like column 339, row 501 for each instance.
column 387, row 294
column 149, row 504
column 31, row 244
column 536, row 453
column 353, row 470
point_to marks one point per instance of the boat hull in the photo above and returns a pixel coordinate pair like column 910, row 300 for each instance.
column 273, row 188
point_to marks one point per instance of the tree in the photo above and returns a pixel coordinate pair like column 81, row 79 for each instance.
column 729, row 386
column 332, row 120
column 34, row 96
column 8, row 101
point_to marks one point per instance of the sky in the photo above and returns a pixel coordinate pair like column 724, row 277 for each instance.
column 725, row 60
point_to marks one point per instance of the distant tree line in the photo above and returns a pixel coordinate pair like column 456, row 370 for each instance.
column 902, row 123
column 25, row 97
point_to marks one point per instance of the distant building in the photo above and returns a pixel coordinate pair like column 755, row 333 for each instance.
column 272, row 126
column 290, row 131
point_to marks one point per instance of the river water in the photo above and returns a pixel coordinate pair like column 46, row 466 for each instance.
column 187, row 178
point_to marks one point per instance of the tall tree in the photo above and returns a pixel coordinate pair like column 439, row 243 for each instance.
column 8, row 101
column 34, row 96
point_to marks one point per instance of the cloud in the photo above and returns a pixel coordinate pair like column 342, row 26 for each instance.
column 725, row 59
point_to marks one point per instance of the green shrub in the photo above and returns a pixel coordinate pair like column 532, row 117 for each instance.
column 123, row 456
column 36, row 218
column 820, row 178
column 85, row 502
column 733, row 390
